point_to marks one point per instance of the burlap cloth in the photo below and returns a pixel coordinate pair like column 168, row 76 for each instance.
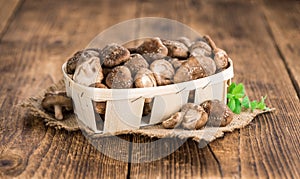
column 70, row 123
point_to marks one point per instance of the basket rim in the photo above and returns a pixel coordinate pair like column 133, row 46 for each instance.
column 101, row 94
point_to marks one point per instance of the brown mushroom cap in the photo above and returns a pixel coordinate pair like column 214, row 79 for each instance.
column 99, row 107
column 218, row 112
column 114, row 54
column 57, row 99
column 80, row 57
column 200, row 48
column 189, row 70
column 135, row 63
column 163, row 72
column 152, row 49
column 186, row 41
column 195, row 117
column 208, row 65
column 88, row 72
column 119, row 77
column 174, row 121
column 176, row 62
column 144, row 78
column 176, row 49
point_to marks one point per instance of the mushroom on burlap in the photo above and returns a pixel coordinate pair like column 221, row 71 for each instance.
column 192, row 116
column 57, row 102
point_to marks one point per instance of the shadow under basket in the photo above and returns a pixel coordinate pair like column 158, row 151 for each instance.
column 124, row 107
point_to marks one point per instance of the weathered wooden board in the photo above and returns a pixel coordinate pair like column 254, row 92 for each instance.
column 261, row 149
column 7, row 10
column 40, row 38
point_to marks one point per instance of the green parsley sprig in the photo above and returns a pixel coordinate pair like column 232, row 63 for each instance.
column 238, row 100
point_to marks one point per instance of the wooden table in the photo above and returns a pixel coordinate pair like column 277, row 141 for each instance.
column 262, row 37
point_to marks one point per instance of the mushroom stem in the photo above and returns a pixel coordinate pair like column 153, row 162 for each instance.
column 211, row 43
column 58, row 112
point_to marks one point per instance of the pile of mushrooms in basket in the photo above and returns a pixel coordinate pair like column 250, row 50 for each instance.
column 154, row 62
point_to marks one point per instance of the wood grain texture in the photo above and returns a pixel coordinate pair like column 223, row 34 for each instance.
column 39, row 40
column 7, row 10
column 44, row 34
column 284, row 22
column 261, row 149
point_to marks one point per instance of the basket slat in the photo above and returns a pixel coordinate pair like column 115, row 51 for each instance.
column 166, row 105
column 123, row 114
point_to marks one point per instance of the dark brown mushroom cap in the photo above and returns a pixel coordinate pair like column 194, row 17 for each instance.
column 163, row 72
column 114, row 54
column 135, row 63
column 152, row 49
column 119, row 77
column 189, row 70
column 176, row 49
column 200, row 48
column 72, row 62
column 218, row 112
column 57, row 98
column 144, row 78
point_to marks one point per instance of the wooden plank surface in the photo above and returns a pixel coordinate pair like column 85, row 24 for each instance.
column 44, row 34
column 283, row 19
column 39, row 40
column 261, row 149
column 7, row 10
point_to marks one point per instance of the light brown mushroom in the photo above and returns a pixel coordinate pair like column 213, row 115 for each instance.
column 220, row 56
column 80, row 57
column 152, row 49
column 189, row 70
column 176, row 62
column 135, row 63
column 174, row 121
column 143, row 79
column 89, row 72
column 114, row 54
column 192, row 116
column 99, row 107
column 119, row 77
column 218, row 112
column 176, row 49
column 207, row 64
column 200, row 48
column 57, row 102
column 195, row 116
column 163, row 72
column 186, row 41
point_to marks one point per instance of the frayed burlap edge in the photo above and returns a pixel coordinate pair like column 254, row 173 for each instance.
column 70, row 123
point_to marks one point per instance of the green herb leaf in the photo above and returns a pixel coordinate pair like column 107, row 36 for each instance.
column 238, row 106
column 237, row 99
column 231, row 87
column 239, row 89
column 229, row 96
column 253, row 105
column 231, row 104
column 246, row 102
